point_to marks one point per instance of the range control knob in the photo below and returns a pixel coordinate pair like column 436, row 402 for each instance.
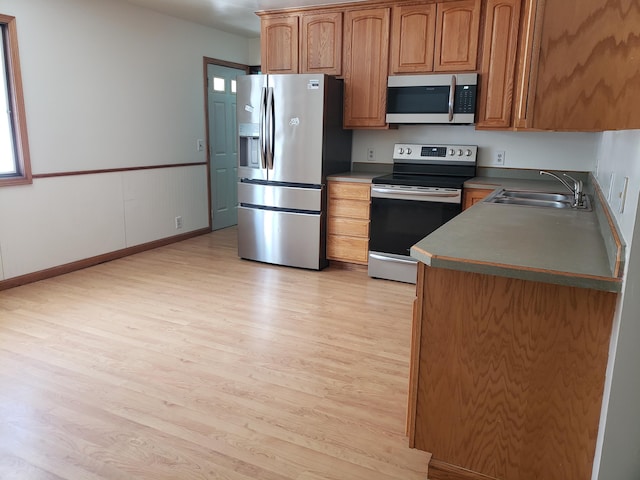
column 459, row 152
column 401, row 150
column 408, row 151
column 467, row 152
column 452, row 151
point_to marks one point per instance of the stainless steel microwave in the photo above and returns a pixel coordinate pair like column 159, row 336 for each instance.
column 433, row 98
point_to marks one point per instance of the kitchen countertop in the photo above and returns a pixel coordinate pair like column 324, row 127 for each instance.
column 559, row 246
column 358, row 177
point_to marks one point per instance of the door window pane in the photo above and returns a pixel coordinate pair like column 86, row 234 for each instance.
column 218, row 84
column 233, row 86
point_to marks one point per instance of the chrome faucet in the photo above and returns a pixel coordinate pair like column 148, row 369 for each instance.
column 578, row 195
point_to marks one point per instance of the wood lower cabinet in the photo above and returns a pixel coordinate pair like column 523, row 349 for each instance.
column 366, row 62
column 457, row 27
column 509, row 376
column 348, row 221
column 279, row 43
column 471, row 196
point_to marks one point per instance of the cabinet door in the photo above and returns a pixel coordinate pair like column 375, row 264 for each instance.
column 472, row 196
column 413, row 38
column 279, row 44
column 587, row 75
column 321, row 46
column 366, row 51
column 499, row 46
column 457, row 27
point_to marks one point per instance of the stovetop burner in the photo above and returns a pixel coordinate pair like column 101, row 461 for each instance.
column 422, row 180
column 446, row 166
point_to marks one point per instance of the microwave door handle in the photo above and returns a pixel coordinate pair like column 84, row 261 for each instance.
column 263, row 132
column 452, row 93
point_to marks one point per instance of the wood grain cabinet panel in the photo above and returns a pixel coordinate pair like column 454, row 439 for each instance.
column 510, row 376
column 588, row 73
column 497, row 70
column 471, row 196
column 321, row 43
column 279, row 43
column 366, row 65
column 457, row 28
column 348, row 221
column 413, row 34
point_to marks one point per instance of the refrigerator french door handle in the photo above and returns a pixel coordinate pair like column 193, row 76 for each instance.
column 270, row 128
column 263, row 131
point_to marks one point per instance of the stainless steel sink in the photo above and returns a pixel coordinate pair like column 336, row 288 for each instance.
column 536, row 199
column 532, row 202
column 555, row 197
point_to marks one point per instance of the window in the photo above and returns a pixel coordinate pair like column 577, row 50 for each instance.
column 14, row 150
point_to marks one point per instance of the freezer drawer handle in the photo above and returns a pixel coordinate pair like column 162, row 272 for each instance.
column 389, row 259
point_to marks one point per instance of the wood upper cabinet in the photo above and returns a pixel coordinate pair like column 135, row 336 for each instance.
column 575, row 68
column 279, row 44
column 587, row 76
column 366, row 62
column 321, row 43
column 413, row 34
column 497, row 69
column 457, row 28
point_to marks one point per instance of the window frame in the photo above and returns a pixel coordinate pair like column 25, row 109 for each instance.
column 16, row 102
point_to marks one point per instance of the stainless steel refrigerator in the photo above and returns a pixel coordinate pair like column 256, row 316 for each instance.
column 290, row 137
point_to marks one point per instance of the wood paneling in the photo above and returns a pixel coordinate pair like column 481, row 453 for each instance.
column 588, row 73
column 178, row 363
column 321, row 43
column 511, row 375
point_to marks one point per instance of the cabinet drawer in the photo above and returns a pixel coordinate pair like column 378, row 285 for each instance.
column 348, row 249
column 348, row 226
column 350, row 190
column 349, row 208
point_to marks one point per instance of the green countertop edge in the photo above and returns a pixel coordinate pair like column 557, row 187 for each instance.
column 610, row 284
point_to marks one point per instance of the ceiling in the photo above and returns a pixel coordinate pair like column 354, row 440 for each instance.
column 234, row 16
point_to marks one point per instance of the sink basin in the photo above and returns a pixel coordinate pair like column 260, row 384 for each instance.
column 536, row 199
column 530, row 202
column 554, row 197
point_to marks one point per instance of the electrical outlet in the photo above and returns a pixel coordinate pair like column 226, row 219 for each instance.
column 371, row 154
column 178, row 223
column 499, row 157
column 200, row 145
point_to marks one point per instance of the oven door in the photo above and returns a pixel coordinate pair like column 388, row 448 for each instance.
column 400, row 217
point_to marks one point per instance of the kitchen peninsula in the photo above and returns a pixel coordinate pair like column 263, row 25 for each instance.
column 508, row 382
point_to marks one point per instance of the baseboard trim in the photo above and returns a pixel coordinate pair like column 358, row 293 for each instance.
column 91, row 261
column 439, row 470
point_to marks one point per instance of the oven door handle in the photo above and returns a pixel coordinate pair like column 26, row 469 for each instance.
column 415, row 192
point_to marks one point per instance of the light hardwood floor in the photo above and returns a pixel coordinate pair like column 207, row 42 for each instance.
column 186, row 362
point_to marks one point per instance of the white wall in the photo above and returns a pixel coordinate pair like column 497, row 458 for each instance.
column 618, row 449
column 549, row 150
column 108, row 85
